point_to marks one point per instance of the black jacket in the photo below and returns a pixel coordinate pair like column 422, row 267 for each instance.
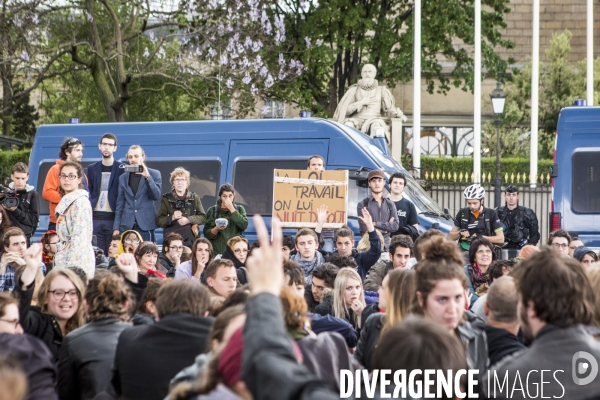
column 44, row 326
column 36, row 361
column 27, row 214
column 149, row 356
column 501, row 343
column 168, row 264
column 37, row 323
column 369, row 336
column 472, row 334
column 86, row 358
column 526, row 223
column 269, row 367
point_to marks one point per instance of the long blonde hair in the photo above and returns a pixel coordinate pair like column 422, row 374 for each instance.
column 78, row 319
column 402, row 284
column 340, row 309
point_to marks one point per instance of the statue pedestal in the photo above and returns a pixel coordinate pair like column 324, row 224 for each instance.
column 396, row 139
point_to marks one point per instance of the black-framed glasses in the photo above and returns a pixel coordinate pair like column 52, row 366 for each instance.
column 107, row 144
column 69, row 177
column 60, row 294
column 14, row 322
column 178, row 248
column 560, row 245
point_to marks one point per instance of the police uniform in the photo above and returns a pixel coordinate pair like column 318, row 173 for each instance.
column 521, row 226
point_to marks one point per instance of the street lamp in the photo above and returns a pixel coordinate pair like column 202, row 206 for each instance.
column 498, row 99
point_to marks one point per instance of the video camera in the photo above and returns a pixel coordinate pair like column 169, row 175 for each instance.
column 8, row 197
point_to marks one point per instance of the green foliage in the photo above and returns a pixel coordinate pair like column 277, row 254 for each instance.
column 560, row 83
column 8, row 159
column 74, row 95
column 449, row 166
column 24, row 117
column 346, row 34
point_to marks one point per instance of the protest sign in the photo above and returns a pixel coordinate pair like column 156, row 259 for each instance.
column 298, row 194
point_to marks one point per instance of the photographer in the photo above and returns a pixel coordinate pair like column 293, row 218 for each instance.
column 181, row 210
column 137, row 193
column 25, row 214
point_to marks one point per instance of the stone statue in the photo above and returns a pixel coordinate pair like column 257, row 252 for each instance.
column 367, row 106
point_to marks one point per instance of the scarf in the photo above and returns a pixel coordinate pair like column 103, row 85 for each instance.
column 153, row 272
column 478, row 278
column 185, row 196
column 47, row 258
column 309, row 266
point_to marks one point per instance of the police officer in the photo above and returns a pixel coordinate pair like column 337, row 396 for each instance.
column 476, row 220
column 521, row 223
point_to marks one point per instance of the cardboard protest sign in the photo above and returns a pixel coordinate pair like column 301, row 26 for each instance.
column 297, row 195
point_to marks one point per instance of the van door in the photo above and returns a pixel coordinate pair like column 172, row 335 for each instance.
column 251, row 170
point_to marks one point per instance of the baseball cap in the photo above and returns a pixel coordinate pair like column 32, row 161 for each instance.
column 375, row 174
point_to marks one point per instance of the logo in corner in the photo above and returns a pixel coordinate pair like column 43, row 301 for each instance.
column 584, row 363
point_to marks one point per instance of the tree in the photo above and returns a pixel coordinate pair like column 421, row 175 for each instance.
column 336, row 37
column 205, row 49
column 24, row 117
column 26, row 54
column 560, row 83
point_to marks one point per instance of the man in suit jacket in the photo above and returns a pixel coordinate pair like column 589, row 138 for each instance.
column 137, row 194
column 103, row 179
column 149, row 356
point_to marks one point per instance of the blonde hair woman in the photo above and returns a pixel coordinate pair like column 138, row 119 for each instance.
column 346, row 300
column 396, row 299
column 60, row 302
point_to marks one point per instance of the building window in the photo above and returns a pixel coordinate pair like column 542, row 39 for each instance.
column 221, row 110
column 273, row 109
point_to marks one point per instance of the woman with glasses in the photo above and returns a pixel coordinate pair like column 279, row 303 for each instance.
column 9, row 314
column 74, row 222
column 237, row 251
column 170, row 258
column 60, row 302
column 481, row 256
column 146, row 256
column 180, row 210
column 202, row 255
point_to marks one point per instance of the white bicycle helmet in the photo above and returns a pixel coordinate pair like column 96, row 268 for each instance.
column 474, row 192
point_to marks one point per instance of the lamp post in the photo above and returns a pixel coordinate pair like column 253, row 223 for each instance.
column 498, row 99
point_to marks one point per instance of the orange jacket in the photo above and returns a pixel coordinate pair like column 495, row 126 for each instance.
column 51, row 186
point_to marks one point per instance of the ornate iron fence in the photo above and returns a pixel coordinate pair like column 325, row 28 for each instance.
column 447, row 190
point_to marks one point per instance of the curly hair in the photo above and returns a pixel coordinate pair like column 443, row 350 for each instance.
column 294, row 309
column 108, row 296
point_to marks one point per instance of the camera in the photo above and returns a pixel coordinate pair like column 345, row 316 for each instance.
column 133, row 168
column 8, row 197
column 180, row 204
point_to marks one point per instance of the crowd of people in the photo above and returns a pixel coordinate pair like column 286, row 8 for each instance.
column 97, row 311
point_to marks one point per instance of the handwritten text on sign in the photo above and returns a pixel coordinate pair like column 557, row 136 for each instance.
column 298, row 194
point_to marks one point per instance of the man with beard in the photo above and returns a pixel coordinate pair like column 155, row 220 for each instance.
column 104, row 188
column 366, row 104
column 556, row 302
column 382, row 209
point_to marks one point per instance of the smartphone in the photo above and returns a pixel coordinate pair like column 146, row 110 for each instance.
column 133, row 168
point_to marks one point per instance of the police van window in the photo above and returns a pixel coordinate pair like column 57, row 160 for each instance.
column 253, row 183
column 204, row 178
column 357, row 191
column 585, row 190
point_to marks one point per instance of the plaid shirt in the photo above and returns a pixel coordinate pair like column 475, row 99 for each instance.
column 7, row 280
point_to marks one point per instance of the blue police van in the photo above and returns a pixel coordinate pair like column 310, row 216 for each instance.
column 242, row 152
column 576, row 174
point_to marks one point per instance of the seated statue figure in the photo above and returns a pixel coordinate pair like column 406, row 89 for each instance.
column 367, row 106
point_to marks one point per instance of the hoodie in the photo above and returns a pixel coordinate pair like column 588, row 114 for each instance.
column 27, row 214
